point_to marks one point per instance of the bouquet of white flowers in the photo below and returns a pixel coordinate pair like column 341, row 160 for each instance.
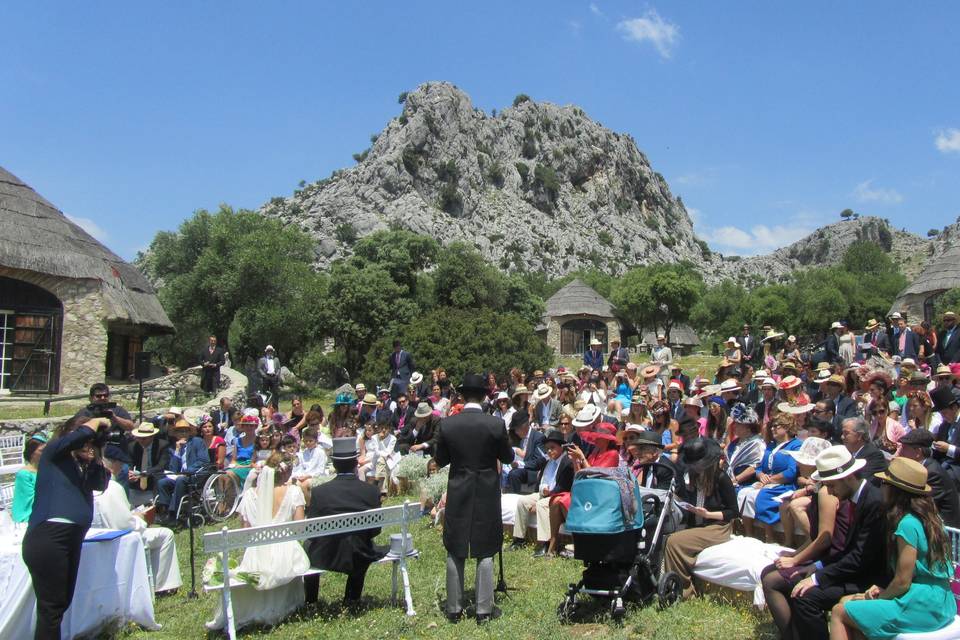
column 213, row 574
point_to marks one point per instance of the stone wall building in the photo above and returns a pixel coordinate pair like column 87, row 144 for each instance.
column 938, row 276
column 71, row 311
column 575, row 315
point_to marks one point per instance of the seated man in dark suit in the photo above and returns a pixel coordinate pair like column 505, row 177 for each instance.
column 855, row 436
column 150, row 456
column 652, row 468
column 917, row 445
column 528, row 452
column 862, row 562
column 349, row 553
column 555, row 476
column 946, row 445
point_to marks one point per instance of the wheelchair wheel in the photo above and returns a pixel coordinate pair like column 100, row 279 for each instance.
column 220, row 496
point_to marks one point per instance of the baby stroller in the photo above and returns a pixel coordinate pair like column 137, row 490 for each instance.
column 618, row 530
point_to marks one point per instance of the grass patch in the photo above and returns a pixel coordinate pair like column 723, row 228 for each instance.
column 529, row 610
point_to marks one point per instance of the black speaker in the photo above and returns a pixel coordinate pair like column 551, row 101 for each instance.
column 141, row 361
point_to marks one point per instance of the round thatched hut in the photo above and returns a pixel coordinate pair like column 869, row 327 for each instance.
column 937, row 277
column 71, row 311
column 575, row 315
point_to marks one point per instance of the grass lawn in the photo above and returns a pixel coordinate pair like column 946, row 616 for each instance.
column 529, row 610
column 693, row 365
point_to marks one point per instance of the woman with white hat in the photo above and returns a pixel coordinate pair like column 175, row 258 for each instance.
column 504, row 410
column 918, row 599
column 731, row 351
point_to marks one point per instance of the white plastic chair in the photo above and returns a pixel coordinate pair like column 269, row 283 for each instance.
column 6, row 496
column 11, row 453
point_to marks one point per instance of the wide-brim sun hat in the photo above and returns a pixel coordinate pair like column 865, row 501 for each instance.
column 907, row 475
column 502, row 396
column 693, row 401
column 587, row 416
column 423, row 410
column 731, row 340
column 520, row 390
column 790, row 382
column 795, row 409
column 595, row 343
column 835, row 463
column 729, row 385
column 700, row 454
column 416, row 378
column 604, row 431
column 144, row 430
column 768, row 382
column 543, row 392
column 809, row 450
column 369, row 400
column 650, row 370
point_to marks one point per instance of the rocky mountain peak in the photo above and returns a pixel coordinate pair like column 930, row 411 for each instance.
column 535, row 186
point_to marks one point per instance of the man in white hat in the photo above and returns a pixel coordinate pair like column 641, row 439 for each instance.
column 875, row 340
column 857, row 567
column 619, row 356
column 150, row 456
column 844, row 407
column 546, row 409
column 831, row 346
column 268, row 367
column 593, row 357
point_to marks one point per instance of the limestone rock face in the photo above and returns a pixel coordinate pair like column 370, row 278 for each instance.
column 538, row 185
column 542, row 187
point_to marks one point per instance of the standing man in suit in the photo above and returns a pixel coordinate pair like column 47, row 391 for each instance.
column 946, row 446
column 472, row 443
column 619, row 356
column 401, row 368
column 855, row 436
column 211, row 359
column 269, row 369
column 858, row 566
column 676, row 373
column 349, row 553
column 906, row 342
column 556, row 476
column 948, row 344
column 832, row 345
column 748, row 346
column 593, row 357
column 918, row 445
column 876, row 342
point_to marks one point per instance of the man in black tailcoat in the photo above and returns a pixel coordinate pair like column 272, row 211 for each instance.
column 472, row 443
column 349, row 553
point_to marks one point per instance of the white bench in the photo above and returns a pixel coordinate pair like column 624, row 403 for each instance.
column 11, row 454
column 228, row 540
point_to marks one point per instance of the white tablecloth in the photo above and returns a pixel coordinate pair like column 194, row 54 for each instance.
column 112, row 586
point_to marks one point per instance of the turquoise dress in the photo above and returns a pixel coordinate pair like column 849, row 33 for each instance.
column 928, row 605
column 624, row 395
column 24, row 487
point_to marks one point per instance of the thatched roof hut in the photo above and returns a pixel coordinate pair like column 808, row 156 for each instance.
column 575, row 315
column 681, row 335
column 937, row 277
column 74, row 304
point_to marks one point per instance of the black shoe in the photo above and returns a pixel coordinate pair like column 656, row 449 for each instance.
column 454, row 618
column 484, row 618
column 541, row 551
column 518, row 543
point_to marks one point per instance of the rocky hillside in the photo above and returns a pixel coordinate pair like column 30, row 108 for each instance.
column 544, row 187
column 536, row 185
column 826, row 246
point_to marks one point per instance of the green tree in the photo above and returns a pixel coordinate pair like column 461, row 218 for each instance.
column 658, row 296
column 949, row 301
column 721, row 310
column 846, row 213
column 520, row 99
column 464, row 279
column 220, row 266
column 402, row 253
column 463, row 341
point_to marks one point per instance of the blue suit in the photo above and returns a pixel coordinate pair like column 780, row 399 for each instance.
column 593, row 359
column 191, row 459
column 533, row 461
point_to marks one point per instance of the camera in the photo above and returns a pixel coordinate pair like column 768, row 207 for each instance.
column 101, row 409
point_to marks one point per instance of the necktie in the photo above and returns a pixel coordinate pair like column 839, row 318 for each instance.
column 144, row 465
column 903, row 341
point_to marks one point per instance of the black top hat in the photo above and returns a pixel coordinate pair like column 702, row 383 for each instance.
column 344, row 449
column 473, row 382
column 942, row 398
column 918, row 438
column 555, row 435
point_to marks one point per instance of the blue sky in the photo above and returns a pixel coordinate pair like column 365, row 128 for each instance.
column 767, row 118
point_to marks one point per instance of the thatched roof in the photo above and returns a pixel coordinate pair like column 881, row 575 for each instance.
column 680, row 334
column 578, row 298
column 940, row 275
column 36, row 236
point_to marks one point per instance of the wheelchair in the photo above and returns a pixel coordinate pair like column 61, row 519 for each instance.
column 212, row 496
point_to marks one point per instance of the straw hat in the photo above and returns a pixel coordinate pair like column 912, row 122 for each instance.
column 772, row 335
column 543, row 392
column 650, row 370
column 809, row 450
column 836, row 325
column 768, row 382
column 834, row 379
column 908, row 475
column 369, row 400
column 795, row 409
column 595, row 343
column 731, row 340
column 587, row 416
column 729, row 385
column 790, row 382
column 836, row 462
column 871, row 325
column 693, row 401
column 520, row 390
column 944, row 370
column 760, row 374
column 144, row 430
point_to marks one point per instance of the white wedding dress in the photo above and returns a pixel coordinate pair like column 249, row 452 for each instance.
column 279, row 566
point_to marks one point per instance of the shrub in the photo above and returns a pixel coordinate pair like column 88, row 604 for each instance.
column 604, row 238
column 411, row 467
column 653, row 223
column 546, row 178
column 360, row 157
column 529, row 147
column 495, row 174
column 520, row 99
column 523, row 170
column 450, row 199
column 434, row 486
column 411, row 160
column 402, row 98
column 346, row 233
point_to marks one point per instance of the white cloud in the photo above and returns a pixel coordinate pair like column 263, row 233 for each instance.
column 575, row 27
column 759, row 238
column 948, row 141
column 651, row 28
column 866, row 192
column 595, row 10
column 90, row 227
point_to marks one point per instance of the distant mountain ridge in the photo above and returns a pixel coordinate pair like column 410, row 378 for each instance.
column 542, row 187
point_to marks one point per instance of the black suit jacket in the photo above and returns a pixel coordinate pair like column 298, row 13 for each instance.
column 876, row 462
column 472, row 442
column 217, row 358
column 883, row 342
column 832, row 348
column 401, row 365
column 944, row 493
column 943, row 435
column 535, row 457
column 845, row 408
column 343, row 552
column 862, row 562
column 911, row 345
column 949, row 350
column 564, row 478
column 748, row 348
column 159, row 459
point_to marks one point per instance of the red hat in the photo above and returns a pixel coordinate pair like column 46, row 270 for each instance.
column 604, row 431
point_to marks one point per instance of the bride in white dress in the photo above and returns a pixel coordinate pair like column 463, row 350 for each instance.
column 278, row 567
